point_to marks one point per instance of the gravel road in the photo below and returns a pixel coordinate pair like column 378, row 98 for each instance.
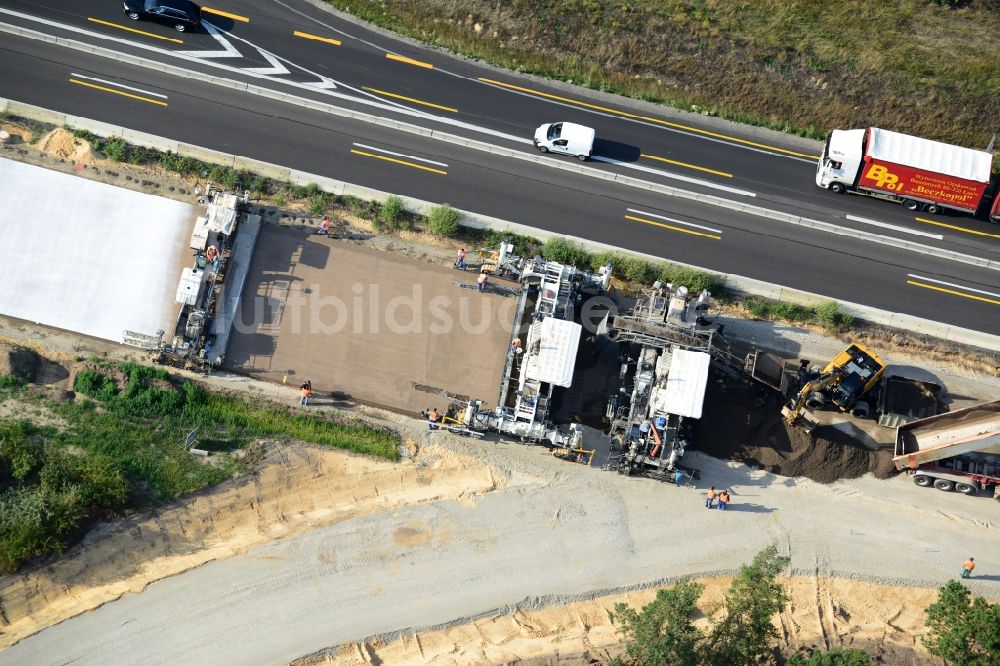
column 554, row 533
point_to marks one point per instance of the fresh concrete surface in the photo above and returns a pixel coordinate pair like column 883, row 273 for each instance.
column 96, row 259
column 366, row 324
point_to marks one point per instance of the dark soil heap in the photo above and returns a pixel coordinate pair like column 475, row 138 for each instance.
column 742, row 421
column 18, row 362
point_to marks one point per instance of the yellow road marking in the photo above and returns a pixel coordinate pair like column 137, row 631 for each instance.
column 219, row 12
column 118, row 92
column 306, row 35
column 686, row 165
column 672, row 228
column 138, row 32
column 409, row 99
column 403, row 162
column 952, row 291
column 409, row 61
column 952, row 226
column 665, row 123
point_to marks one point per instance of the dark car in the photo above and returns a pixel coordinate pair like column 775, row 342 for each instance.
column 181, row 14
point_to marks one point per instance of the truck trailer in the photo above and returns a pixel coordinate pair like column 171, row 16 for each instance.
column 957, row 450
column 921, row 174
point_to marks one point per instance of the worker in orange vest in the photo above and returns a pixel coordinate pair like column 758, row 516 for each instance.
column 432, row 419
column 967, row 568
column 710, row 497
column 306, row 394
column 723, row 499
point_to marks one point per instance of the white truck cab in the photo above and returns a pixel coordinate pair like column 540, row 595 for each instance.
column 565, row 138
column 841, row 160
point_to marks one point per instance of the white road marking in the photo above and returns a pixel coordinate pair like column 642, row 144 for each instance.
column 276, row 68
column 228, row 50
column 389, row 152
column 674, row 220
column 894, row 227
column 952, row 284
column 675, row 176
column 117, row 85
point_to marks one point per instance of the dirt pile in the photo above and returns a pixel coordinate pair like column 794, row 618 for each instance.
column 295, row 489
column 61, row 143
column 743, row 422
column 822, row 611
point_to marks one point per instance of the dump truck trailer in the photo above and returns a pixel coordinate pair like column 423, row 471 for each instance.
column 921, row 174
column 957, row 450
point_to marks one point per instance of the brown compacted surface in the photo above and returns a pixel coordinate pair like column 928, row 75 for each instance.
column 367, row 323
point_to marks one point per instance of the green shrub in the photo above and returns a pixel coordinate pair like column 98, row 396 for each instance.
column 831, row 318
column 442, row 220
column 392, row 212
column 10, row 382
column 20, row 451
column 565, row 251
column 115, row 149
column 317, row 205
column 22, row 532
column 637, row 270
column 96, row 385
column 279, row 201
column 691, row 278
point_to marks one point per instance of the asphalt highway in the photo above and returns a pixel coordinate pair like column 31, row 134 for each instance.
column 295, row 48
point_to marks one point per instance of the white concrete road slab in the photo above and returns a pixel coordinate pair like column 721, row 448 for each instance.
column 88, row 257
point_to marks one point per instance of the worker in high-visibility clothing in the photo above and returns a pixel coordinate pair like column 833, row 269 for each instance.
column 710, row 497
column 967, row 568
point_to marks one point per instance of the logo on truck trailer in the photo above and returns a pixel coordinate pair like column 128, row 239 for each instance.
column 907, row 181
column 883, row 179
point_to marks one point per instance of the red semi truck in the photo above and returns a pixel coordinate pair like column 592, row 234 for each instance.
column 919, row 173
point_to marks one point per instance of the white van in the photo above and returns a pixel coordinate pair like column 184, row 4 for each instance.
column 565, row 138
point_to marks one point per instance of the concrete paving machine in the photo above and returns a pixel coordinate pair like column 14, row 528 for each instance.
column 541, row 364
column 666, row 347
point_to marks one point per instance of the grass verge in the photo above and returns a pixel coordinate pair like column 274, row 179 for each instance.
column 122, row 450
column 801, row 67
